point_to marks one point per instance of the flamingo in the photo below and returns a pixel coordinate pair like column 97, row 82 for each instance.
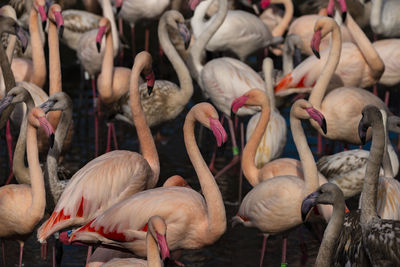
column 193, row 221
column 167, row 100
column 362, row 229
column 262, row 207
column 110, row 178
column 341, row 114
column 327, row 194
column 241, row 32
column 389, row 53
column 384, row 20
column 22, row 206
column 359, row 66
column 155, row 242
column 274, row 137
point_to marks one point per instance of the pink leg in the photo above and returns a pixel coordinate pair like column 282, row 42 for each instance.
column 146, row 40
column 114, row 136
column 3, row 250
column 241, row 171
column 214, row 155
column 284, row 245
column 96, row 119
column 121, row 33
column 89, row 253
column 54, row 253
column 108, row 148
column 235, row 151
column 319, row 146
column 375, row 90
column 263, row 249
column 387, row 94
column 10, row 153
column 133, row 41
column 21, row 251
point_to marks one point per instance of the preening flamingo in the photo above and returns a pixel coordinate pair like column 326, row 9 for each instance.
column 263, row 206
column 359, row 66
column 384, row 18
column 241, row 32
column 274, row 138
column 22, row 206
column 167, row 100
column 198, row 221
column 365, row 239
column 156, row 243
column 327, row 194
column 342, row 106
column 112, row 177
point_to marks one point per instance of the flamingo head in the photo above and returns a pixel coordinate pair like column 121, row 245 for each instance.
column 328, row 193
column 185, row 33
column 342, row 5
column 254, row 97
column 260, row 5
column 315, row 42
column 218, row 131
column 369, row 113
column 104, row 27
column 150, row 81
column 302, row 109
column 193, row 4
column 55, row 15
column 158, row 229
column 318, row 117
column 118, row 5
column 16, row 95
column 10, row 26
column 37, row 118
column 40, row 6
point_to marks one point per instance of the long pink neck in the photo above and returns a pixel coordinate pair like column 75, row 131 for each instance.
column 147, row 146
column 104, row 82
column 38, row 58
column 318, row 92
column 280, row 29
column 36, row 210
column 215, row 206
column 250, row 171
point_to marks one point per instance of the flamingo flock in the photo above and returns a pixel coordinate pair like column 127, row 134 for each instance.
column 163, row 191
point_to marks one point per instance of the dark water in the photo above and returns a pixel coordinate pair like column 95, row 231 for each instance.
column 239, row 246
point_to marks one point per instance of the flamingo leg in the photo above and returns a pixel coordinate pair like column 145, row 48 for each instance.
column 21, row 251
column 214, row 155
column 43, row 250
column 320, row 145
column 54, row 253
column 241, row 170
column 133, row 41
column 121, row 34
column 284, row 248
column 375, row 90
column 146, row 39
column 114, row 136
column 263, row 249
column 89, row 253
column 3, row 251
column 387, row 94
column 108, row 148
column 10, row 153
column 235, row 151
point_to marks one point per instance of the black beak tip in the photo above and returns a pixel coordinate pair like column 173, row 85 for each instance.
column 61, row 32
column 98, row 45
column 118, row 10
column 323, row 127
column 303, row 216
column 149, row 89
column 51, row 140
column 316, row 53
column 187, row 45
column 363, row 139
column 44, row 24
column 344, row 16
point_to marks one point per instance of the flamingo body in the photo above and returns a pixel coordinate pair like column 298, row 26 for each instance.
column 389, row 52
column 134, row 10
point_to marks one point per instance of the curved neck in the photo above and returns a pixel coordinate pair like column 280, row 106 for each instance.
column 367, row 49
column 109, row 14
column 38, row 58
column 376, row 13
column 306, row 157
column 185, row 80
column 54, row 69
column 21, row 172
column 200, row 44
column 51, row 174
column 215, row 206
column 153, row 253
column 331, row 234
column 318, row 92
column 147, row 146
column 370, row 187
column 12, row 40
column 386, row 163
column 36, row 209
column 249, row 167
column 280, row 29
column 268, row 68
column 104, row 82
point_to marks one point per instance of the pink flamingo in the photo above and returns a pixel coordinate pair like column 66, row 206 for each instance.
column 22, row 206
column 111, row 177
column 359, row 66
column 263, row 206
column 193, row 221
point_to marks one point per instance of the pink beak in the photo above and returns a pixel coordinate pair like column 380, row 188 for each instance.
column 264, row 4
column 315, row 42
column 218, row 131
column 150, row 80
column 318, row 117
column 99, row 36
column 43, row 16
column 238, row 103
column 60, row 23
column 162, row 243
column 45, row 124
column 193, row 4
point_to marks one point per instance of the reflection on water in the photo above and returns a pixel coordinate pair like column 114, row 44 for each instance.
column 239, row 246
